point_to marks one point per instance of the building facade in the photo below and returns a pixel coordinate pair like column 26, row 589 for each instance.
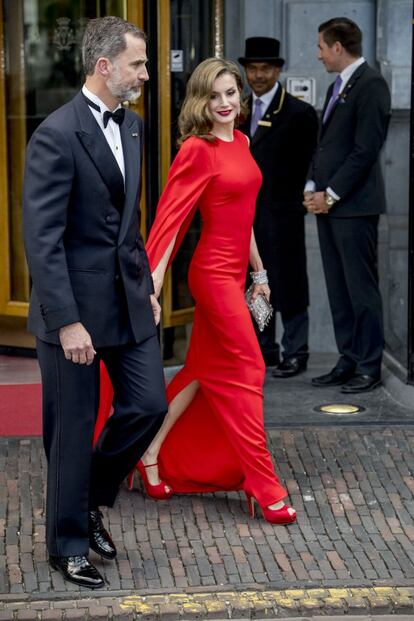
column 40, row 70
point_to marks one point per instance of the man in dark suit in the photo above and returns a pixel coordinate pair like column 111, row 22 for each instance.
column 283, row 132
column 345, row 190
column 92, row 294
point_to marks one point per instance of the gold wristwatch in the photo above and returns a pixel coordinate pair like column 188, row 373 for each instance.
column 329, row 200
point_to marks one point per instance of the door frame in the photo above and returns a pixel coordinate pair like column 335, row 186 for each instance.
column 410, row 327
column 8, row 307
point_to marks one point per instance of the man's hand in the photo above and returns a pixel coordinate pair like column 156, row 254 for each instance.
column 156, row 309
column 77, row 344
column 314, row 202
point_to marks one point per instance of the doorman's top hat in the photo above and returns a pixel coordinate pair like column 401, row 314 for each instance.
column 262, row 49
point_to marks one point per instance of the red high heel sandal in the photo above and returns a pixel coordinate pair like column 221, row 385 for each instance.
column 273, row 516
column 161, row 491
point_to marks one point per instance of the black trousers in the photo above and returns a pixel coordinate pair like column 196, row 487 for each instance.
column 280, row 239
column 294, row 340
column 78, row 476
column 349, row 256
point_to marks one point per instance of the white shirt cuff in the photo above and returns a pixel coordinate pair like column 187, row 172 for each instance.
column 310, row 186
column 333, row 194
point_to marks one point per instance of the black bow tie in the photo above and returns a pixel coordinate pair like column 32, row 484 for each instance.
column 117, row 116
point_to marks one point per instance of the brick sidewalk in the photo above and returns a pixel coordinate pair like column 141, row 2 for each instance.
column 353, row 489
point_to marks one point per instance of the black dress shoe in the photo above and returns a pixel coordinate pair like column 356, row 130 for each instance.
column 336, row 377
column 290, row 367
column 78, row 569
column 361, row 383
column 99, row 539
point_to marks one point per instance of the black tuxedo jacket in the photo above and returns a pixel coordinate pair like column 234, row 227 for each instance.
column 347, row 156
column 81, row 230
column 283, row 150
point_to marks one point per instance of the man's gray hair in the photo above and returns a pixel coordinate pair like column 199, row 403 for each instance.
column 105, row 37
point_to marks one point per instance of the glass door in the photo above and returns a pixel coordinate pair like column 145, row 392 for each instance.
column 41, row 69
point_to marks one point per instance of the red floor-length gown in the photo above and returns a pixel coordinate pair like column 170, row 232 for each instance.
column 219, row 442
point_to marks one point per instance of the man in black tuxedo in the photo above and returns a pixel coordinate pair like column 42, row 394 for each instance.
column 283, row 133
column 92, row 295
column 345, row 190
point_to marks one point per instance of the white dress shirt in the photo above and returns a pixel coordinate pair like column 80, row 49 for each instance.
column 347, row 73
column 111, row 132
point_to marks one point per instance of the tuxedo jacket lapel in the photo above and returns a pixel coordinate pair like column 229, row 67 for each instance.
column 94, row 142
column 131, row 145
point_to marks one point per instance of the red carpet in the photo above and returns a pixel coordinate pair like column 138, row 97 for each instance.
column 20, row 410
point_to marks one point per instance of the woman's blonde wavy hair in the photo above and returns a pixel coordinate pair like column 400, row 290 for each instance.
column 195, row 118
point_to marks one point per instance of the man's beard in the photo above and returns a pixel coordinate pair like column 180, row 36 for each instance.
column 120, row 91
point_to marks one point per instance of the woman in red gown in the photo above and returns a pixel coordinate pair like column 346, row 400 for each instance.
column 213, row 436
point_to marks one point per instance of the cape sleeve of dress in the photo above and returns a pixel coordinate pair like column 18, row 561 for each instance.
column 188, row 177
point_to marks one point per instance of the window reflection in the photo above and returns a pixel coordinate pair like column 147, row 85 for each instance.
column 43, row 70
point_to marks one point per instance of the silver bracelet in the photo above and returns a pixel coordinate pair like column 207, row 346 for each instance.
column 259, row 278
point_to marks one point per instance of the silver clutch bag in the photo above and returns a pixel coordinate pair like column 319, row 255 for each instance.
column 260, row 308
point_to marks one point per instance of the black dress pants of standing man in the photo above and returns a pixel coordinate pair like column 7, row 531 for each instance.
column 349, row 256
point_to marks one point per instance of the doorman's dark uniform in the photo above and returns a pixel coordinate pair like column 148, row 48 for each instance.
column 282, row 148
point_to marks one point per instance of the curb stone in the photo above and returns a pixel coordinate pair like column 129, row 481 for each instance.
column 266, row 604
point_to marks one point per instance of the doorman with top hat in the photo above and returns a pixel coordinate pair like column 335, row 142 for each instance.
column 283, row 133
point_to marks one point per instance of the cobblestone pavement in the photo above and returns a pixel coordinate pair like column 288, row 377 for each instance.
column 351, row 551
column 352, row 548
